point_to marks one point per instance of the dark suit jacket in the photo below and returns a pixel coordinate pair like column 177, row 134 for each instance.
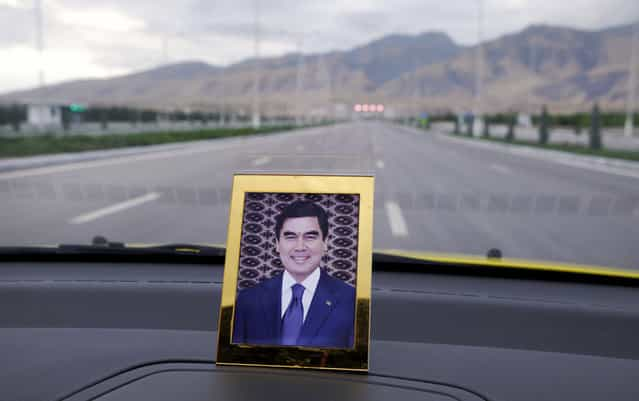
column 329, row 322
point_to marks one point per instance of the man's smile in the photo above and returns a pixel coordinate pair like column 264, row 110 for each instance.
column 300, row 259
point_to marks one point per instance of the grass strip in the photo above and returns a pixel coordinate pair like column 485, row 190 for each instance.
column 49, row 144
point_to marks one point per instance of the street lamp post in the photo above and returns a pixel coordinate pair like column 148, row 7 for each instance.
column 323, row 76
column 326, row 84
column 165, row 49
column 479, row 70
column 632, row 81
column 39, row 108
column 298, row 85
column 39, row 41
column 256, row 71
column 223, row 106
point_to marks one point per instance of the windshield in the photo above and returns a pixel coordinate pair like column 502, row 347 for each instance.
column 510, row 125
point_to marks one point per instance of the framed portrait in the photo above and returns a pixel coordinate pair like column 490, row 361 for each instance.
column 297, row 275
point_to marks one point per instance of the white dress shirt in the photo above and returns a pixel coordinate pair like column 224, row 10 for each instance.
column 309, row 284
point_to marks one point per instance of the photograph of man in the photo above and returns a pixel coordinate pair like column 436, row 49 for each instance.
column 304, row 305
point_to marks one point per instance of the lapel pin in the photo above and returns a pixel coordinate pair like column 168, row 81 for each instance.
column 329, row 303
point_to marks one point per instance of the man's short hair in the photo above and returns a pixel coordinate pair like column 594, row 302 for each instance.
column 302, row 209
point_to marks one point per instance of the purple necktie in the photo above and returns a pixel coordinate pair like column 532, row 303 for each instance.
column 293, row 317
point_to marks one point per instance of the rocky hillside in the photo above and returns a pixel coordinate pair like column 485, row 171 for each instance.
column 567, row 69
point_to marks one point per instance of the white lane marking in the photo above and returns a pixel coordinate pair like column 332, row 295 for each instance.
column 261, row 161
column 501, row 168
column 118, row 207
column 396, row 219
column 380, row 164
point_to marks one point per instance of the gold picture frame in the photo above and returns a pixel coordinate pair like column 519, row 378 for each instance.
column 306, row 355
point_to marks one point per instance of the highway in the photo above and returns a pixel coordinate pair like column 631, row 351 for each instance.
column 432, row 194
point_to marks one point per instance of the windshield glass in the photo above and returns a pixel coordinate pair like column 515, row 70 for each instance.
column 487, row 124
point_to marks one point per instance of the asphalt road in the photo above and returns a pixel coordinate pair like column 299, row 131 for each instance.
column 432, row 194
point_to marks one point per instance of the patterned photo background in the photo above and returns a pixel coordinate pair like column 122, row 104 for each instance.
column 258, row 257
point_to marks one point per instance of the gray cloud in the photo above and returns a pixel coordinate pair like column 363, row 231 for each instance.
column 17, row 26
column 222, row 31
column 366, row 21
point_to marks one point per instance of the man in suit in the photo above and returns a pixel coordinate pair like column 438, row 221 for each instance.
column 304, row 305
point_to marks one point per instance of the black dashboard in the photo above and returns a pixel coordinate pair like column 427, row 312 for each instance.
column 147, row 331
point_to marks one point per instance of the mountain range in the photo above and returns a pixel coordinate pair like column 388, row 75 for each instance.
column 566, row 69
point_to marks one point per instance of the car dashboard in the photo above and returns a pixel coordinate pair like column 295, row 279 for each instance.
column 126, row 329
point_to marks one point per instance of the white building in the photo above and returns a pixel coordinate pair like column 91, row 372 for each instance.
column 44, row 115
column 524, row 120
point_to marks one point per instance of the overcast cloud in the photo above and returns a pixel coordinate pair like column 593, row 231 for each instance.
column 86, row 39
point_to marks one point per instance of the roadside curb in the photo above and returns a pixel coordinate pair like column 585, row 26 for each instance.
column 624, row 168
column 545, row 153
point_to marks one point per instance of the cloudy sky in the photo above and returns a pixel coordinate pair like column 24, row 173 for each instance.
column 110, row 37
